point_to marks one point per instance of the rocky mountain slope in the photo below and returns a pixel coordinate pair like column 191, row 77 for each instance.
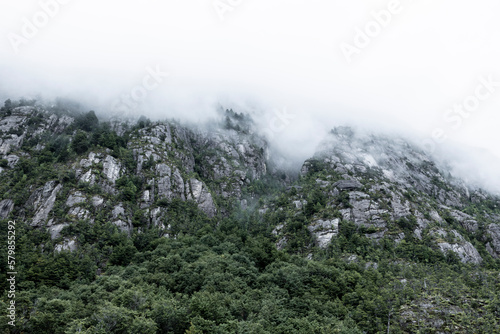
column 363, row 199
column 160, row 162
column 391, row 189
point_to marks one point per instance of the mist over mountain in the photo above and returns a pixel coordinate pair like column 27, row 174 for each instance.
column 128, row 217
column 173, row 60
column 232, row 166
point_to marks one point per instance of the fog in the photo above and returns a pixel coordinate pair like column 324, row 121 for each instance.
column 300, row 67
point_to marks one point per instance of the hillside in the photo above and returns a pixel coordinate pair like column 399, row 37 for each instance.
column 140, row 226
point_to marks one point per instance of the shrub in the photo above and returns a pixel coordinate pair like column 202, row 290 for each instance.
column 80, row 143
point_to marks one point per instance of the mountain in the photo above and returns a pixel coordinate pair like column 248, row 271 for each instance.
column 140, row 226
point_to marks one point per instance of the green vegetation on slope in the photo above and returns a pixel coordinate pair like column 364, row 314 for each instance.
column 225, row 274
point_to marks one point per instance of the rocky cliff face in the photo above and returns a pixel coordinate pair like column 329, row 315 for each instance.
column 361, row 207
column 385, row 186
column 391, row 189
column 160, row 162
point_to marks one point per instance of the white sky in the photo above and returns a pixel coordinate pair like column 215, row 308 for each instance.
column 270, row 54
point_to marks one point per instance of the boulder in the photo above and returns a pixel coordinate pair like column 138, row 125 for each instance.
column 464, row 249
column 200, row 194
column 348, row 185
column 493, row 247
column 6, row 207
column 324, row 231
column 43, row 200
column 75, row 198
column 66, row 245
column 111, row 168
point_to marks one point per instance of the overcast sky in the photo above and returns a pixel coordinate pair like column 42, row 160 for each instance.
column 388, row 65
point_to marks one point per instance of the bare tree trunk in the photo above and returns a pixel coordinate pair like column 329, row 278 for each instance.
column 389, row 321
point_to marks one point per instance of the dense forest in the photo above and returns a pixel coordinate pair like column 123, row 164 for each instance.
column 140, row 226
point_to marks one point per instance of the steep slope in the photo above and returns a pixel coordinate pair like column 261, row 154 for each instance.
column 134, row 226
column 130, row 179
column 390, row 189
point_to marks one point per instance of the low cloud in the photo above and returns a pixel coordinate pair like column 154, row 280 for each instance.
column 265, row 57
